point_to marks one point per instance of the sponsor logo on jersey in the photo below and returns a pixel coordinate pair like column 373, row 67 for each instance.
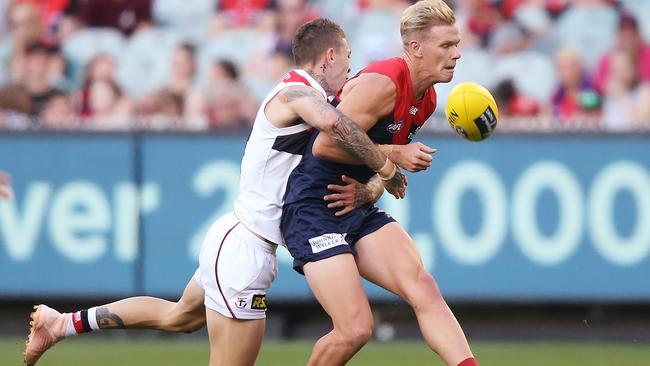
column 259, row 302
column 326, row 241
column 241, row 302
column 413, row 111
column 395, row 127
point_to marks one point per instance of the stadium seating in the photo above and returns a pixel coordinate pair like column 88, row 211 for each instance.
column 532, row 72
column 145, row 61
column 376, row 37
column 591, row 29
column 237, row 45
column 86, row 43
column 189, row 21
column 341, row 11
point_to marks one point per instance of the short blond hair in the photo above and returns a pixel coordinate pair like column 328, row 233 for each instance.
column 421, row 16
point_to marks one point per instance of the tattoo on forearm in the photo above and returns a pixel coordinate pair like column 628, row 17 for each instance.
column 346, row 134
column 351, row 138
column 396, row 182
column 108, row 320
column 369, row 192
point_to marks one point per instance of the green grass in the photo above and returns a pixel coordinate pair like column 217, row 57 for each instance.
column 194, row 351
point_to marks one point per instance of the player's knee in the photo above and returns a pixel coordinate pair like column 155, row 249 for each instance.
column 358, row 333
column 425, row 291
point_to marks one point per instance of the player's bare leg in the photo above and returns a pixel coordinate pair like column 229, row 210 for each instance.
column 336, row 283
column 48, row 326
column 389, row 258
column 233, row 342
column 145, row 312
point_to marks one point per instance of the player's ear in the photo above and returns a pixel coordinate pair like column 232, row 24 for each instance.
column 330, row 55
column 415, row 48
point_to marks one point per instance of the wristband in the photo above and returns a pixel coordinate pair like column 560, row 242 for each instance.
column 383, row 167
column 391, row 175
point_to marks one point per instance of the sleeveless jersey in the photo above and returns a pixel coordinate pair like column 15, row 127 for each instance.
column 270, row 156
column 311, row 177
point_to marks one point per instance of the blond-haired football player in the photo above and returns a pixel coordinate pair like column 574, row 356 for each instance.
column 237, row 261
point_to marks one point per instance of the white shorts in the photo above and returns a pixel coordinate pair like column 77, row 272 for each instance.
column 235, row 269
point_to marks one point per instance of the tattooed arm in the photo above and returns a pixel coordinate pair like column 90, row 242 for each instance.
column 108, row 320
column 353, row 194
column 310, row 105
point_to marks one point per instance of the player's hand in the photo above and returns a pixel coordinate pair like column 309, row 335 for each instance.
column 413, row 157
column 348, row 197
column 397, row 184
column 5, row 188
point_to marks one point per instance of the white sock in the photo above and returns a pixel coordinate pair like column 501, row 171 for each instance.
column 91, row 321
column 92, row 318
column 69, row 329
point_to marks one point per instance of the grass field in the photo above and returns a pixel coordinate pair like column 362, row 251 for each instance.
column 104, row 352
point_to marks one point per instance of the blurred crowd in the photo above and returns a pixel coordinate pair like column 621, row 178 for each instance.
column 207, row 64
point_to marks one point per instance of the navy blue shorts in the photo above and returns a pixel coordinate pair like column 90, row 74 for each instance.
column 312, row 232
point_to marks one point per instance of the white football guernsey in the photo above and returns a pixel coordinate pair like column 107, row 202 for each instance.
column 270, row 156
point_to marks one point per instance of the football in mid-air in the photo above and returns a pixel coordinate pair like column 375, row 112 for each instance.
column 472, row 111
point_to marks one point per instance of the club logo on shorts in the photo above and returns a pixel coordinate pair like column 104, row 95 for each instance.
column 241, row 302
column 259, row 302
column 395, row 127
column 327, row 241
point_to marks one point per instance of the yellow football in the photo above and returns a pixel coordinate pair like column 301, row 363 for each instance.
column 472, row 111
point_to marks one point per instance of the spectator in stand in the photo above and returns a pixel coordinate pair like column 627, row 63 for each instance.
column 195, row 111
column 478, row 19
column 512, row 103
column 556, row 7
column 110, row 109
column 51, row 13
column 4, row 21
column 630, row 41
column 237, row 14
column 291, row 14
column 36, row 79
column 164, row 110
column 627, row 96
column 58, row 113
column 575, row 97
column 397, row 5
column 229, row 105
column 25, row 29
column 101, row 68
column 274, row 57
column 15, row 107
column 223, row 71
column 127, row 16
column 182, row 69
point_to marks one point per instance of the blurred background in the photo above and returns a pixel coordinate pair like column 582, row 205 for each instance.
column 123, row 123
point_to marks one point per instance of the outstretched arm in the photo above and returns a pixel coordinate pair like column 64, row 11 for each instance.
column 310, row 105
column 366, row 99
column 413, row 157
